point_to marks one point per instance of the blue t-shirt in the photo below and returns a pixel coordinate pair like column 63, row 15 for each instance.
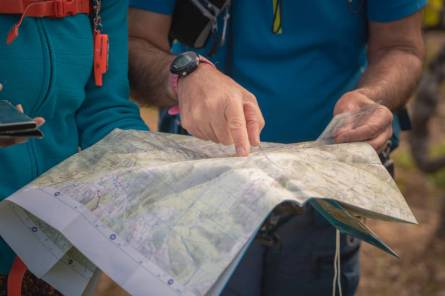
column 299, row 75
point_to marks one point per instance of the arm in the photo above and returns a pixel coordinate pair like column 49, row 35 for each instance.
column 108, row 107
column 395, row 54
column 149, row 58
column 213, row 106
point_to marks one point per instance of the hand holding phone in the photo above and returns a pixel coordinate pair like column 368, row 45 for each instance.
column 15, row 126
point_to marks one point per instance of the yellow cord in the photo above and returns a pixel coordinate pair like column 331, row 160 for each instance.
column 276, row 26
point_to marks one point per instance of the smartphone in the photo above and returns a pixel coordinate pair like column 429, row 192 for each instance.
column 14, row 123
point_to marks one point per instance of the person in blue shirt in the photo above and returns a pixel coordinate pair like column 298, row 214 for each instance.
column 284, row 84
column 48, row 69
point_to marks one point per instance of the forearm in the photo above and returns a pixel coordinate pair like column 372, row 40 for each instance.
column 148, row 73
column 392, row 76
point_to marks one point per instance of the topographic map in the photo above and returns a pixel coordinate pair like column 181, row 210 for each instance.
column 167, row 215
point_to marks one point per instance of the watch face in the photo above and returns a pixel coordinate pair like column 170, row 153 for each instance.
column 184, row 63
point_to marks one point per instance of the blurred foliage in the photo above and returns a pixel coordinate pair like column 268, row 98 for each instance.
column 405, row 162
column 403, row 159
column 438, row 179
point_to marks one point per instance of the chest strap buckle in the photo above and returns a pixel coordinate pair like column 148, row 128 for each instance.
column 67, row 8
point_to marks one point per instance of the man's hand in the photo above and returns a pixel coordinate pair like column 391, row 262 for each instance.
column 373, row 126
column 214, row 107
column 9, row 141
column 395, row 53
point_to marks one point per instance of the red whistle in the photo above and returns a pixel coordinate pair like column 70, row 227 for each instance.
column 101, row 48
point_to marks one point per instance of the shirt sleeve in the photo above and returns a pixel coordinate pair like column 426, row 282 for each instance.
column 392, row 10
column 160, row 6
column 108, row 107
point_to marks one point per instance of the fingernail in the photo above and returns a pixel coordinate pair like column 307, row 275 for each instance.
column 39, row 121
column 241, row 151
column 257, row 141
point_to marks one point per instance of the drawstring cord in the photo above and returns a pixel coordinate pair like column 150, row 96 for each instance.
column 14, row 32
column 336, row 281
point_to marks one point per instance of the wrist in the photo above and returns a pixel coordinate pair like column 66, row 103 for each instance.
column 172, row 86
column 361, row 96
column 373, row 95
column 352, row 101
column 364, row 92
column 177, row 74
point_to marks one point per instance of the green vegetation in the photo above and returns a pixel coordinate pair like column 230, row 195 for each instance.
column 438, row 179
column 403, row 159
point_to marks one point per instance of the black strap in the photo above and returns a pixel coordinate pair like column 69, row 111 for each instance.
column 404, row 119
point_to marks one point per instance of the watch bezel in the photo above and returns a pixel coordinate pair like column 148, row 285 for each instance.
column 187, row 68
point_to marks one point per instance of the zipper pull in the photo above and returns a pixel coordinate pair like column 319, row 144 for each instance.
column 13, row 34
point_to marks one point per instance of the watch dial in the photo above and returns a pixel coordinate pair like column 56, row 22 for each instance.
column 185, row 62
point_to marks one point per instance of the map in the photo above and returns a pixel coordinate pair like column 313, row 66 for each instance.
column 166, row 214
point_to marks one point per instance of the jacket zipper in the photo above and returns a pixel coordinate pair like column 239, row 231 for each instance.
column 46, row 46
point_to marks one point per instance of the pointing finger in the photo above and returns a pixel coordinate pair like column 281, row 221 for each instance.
column 236, row 124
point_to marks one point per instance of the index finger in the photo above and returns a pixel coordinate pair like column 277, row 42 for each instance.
column 236, row 124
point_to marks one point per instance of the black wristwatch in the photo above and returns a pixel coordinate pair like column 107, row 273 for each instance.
column 184, row 64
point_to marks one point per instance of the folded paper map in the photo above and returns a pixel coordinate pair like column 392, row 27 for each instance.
column 166, row 214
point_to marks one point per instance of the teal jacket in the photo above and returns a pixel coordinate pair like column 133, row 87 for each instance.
column 48, row 69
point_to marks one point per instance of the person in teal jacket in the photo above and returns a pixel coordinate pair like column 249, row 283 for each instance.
column 48, row 70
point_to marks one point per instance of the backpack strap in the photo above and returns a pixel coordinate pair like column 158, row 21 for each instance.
column 15, row 277
column 45, row 8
